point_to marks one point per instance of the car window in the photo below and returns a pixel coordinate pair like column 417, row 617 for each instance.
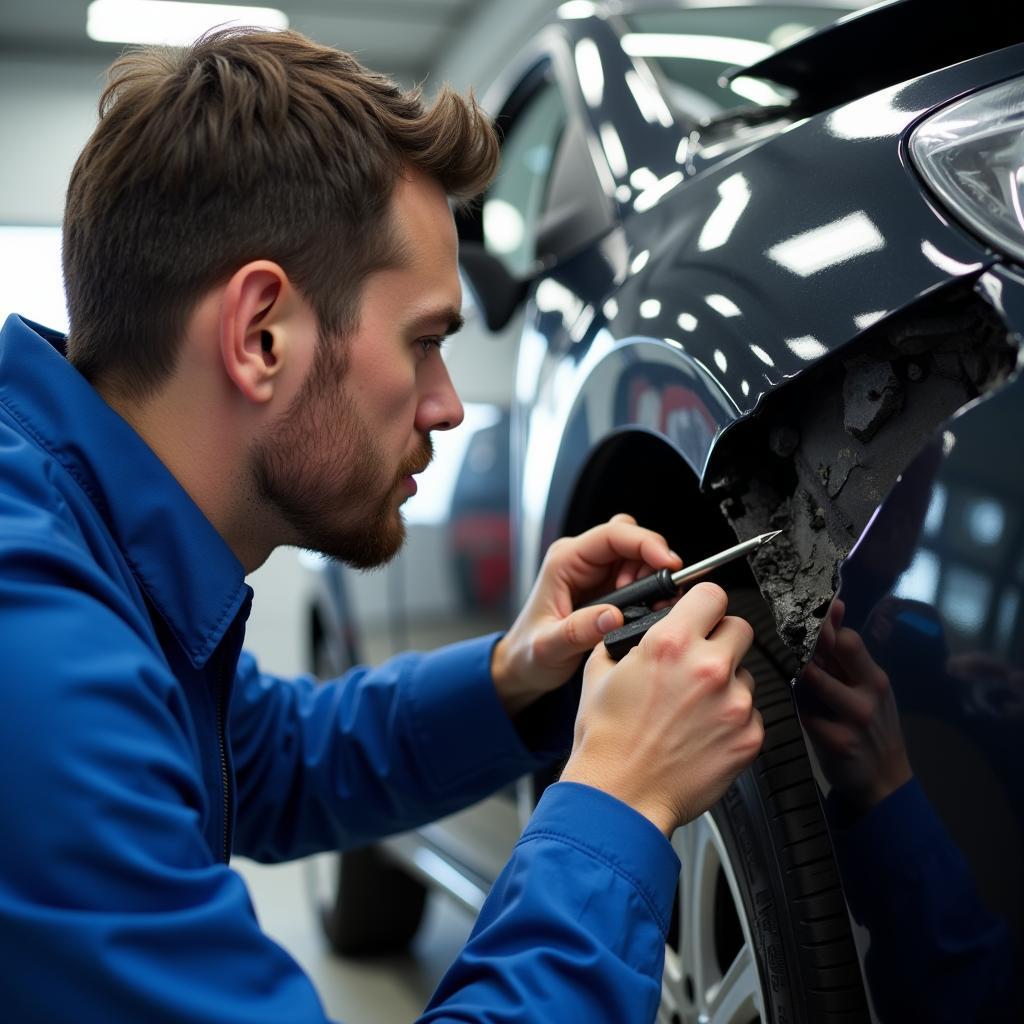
column 693, row 48
column 516, row 199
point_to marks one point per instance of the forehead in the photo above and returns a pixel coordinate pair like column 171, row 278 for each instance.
column 422, row 217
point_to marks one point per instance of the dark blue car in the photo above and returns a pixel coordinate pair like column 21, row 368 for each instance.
column 760, row 268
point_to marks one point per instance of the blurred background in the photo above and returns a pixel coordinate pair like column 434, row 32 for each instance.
column 53, row 56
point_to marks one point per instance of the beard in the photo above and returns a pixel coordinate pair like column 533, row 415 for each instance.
column 325, row 474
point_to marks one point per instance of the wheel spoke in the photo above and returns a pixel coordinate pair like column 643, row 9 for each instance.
column 736, row 998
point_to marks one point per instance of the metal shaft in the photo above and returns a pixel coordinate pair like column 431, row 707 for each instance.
column 705, row 565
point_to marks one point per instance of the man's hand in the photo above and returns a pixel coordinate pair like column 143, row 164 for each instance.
column 543, row 648
column 668, row 728
column 847, row 707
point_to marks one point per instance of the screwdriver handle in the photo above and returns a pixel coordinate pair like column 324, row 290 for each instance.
column 656, row 587
column 618, row 642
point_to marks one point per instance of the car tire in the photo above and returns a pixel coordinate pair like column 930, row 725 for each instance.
column 367, row 905
column 761, row 931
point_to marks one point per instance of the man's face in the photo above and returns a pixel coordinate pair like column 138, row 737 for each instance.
column 340, row 462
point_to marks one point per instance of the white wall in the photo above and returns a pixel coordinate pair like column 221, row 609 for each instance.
column 47, row 111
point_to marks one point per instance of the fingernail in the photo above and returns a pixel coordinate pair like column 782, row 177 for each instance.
column 607, row 620
column 674, row 555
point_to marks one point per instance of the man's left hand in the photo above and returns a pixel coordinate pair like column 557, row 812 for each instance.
column 543, row 648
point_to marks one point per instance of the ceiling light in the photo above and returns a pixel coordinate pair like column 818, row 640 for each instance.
column 170, row 23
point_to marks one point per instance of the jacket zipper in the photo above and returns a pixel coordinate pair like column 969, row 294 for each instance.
column 222, row 749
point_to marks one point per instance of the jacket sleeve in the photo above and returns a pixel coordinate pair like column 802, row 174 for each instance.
column 375, row 752
column 112, row 907
column 574, row 928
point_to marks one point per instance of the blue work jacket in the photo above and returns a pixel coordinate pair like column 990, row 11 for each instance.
column 139, row 748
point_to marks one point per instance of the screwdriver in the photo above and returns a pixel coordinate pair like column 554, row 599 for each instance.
column 635, row 599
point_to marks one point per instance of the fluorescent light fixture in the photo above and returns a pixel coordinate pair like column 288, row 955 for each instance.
column 169, row 22
column 648, row 100
column 719, row 49
column 828, row 246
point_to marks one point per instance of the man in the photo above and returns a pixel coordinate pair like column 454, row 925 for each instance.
column 260, row 264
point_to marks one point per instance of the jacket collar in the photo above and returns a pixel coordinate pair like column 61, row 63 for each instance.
column 187, row 570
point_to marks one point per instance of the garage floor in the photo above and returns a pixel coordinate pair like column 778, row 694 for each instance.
column 388, row 990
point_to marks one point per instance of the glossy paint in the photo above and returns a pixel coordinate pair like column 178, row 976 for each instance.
column 755, row 265
column 934, row 588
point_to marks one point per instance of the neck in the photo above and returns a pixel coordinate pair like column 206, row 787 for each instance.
column 209, row 459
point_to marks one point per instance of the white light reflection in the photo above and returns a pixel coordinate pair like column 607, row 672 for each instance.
column 758, row 91
column 623, row 193
column 640, row 261
column 503, row 226
column 720, row 361
column 683, row 150
column 762, row 355
column 829, row 245
column 868, row 119
column 652, row 196
column 722, row 304
column 807, row 347
column 946, row 263
column 920, row 580
column 734, row 195
column 651, row 105
column 676, row 344
column 613, row 151
column 610, row 309
column 864, row 320
column 643, row 177
column 553, row 297
column 745, row 388
column 590, row 71
column 986, row 521
column 687, row 321
column 577, row 9
column 719, row 49
column 650, row 308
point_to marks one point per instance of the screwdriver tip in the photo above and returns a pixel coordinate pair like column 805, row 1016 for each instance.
column 766, row 537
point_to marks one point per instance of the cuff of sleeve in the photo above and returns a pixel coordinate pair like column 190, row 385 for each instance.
column 459, row 723
column 612, row 832
column 889, row 842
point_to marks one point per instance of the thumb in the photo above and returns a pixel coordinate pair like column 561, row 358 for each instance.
column 579, row 632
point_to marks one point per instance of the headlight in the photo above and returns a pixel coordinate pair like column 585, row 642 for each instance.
column 972, row 154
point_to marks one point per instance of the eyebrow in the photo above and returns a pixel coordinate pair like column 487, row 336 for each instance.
column 449, row 315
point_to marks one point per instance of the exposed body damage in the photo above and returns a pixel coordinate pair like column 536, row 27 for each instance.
column 817, row 468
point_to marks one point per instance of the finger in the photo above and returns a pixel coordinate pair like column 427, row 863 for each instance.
column 746, row 678
column 852, row 656
column 833, row 693
column 702, row 607
column 567, row 638
column 593, row 551
column 735, row 634
column 622, row 517
column 629, row 572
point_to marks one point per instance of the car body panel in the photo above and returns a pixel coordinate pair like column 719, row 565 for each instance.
column 934, row 587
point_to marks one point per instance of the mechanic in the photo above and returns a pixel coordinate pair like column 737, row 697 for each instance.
column 260, row 265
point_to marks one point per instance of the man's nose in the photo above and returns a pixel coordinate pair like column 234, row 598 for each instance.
column 440, row 407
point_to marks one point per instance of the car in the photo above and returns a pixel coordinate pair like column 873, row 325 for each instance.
column 761, row 267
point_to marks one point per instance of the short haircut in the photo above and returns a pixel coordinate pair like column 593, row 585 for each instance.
column 246, row 145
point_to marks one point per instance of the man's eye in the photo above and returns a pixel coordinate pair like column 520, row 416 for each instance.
column 433, row 342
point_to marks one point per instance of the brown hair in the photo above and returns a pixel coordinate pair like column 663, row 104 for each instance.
column 247, row 145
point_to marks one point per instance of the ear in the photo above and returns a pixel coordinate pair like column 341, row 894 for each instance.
column 253, row 335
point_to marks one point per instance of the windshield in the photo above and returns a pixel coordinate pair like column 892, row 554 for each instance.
column 693, row 48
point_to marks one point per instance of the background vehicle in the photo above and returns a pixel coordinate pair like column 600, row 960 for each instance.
column 762, row 307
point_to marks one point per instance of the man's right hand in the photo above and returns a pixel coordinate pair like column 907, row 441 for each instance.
column 668, row 728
